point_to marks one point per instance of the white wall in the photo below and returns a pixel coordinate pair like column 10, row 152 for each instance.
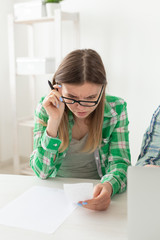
column 127, row 35
column 5, row 115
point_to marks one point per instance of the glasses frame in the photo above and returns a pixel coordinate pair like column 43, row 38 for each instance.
column 83, row 101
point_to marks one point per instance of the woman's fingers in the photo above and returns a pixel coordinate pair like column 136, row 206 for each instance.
column 51, row 100
column 53, row 104
column 101, row 198
column 98, row 206
column 97, row 190
column 54, row 97
column 58, row 88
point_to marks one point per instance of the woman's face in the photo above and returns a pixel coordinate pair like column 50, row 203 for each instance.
column 85, row 92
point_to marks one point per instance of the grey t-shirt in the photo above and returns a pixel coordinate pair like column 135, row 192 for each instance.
column 77, row 164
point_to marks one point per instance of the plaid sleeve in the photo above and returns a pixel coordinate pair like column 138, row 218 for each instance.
column 119, row 154
column 150, row 149
column 45, row 147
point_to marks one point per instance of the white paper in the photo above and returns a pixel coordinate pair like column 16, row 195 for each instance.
column 40, row 209
column 78, row 191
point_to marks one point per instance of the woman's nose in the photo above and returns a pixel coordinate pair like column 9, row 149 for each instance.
column 80, row 107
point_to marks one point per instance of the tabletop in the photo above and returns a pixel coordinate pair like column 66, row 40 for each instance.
column 81, row 224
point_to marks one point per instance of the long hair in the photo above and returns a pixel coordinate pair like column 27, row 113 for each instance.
column 79, row 67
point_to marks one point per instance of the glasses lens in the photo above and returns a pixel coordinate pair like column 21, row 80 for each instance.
column 68, row 101
column 87, row 104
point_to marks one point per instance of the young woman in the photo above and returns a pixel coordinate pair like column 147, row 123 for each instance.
column 81, row 133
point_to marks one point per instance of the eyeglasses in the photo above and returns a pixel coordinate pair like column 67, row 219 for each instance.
column 81, row 102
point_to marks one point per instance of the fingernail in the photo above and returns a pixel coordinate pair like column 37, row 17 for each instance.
column 79, row 204
column 84, row 203
column 57, row 105
column 61, row 99
column 59, row 86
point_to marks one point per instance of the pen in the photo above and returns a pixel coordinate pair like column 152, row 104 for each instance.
column 50, row 84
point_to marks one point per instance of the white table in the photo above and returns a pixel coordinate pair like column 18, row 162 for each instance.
column 82, row 224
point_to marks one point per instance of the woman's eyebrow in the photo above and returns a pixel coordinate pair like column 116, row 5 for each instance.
column 71, row 96
column 91, row 96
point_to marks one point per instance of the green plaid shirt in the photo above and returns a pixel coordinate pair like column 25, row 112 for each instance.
column 112, row 156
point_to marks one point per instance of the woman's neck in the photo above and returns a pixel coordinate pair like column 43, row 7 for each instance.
column 80, row 128
column 80, row 121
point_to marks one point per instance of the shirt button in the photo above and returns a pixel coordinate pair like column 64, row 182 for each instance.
column 55, row 144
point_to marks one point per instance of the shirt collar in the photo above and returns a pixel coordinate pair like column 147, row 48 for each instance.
column 109, row 111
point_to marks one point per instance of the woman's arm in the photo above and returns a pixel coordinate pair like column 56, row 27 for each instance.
column 119, row 154
column 45, row 149
column 118, row 161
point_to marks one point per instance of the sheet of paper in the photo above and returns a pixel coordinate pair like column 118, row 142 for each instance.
column 78, row 191
column 40, row 209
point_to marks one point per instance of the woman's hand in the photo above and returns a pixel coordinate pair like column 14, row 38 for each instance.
column 53, row 104
column 55, row 108
column 101, row 197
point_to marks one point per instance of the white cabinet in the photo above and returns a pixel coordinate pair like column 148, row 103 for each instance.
column 32, row 66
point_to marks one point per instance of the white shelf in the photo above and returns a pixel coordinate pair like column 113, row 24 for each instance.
column 35, row 66
column 28, row 122
column 70, row 16
column 65, row 16
column 34, row 20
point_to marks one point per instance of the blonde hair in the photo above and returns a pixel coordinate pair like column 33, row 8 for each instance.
column 79, row 67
